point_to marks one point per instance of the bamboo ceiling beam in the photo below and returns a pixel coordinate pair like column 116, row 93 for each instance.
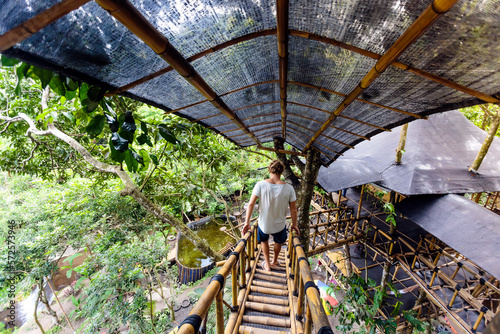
column 36, row 23
column 419, row 27
column 295, row 137
column 130, row 17
column 282, row 12
column 256, row 105
column 349, row 132
column 341, row 116
column 257, row 116
column 314, row 120
column 405, row 67
column 360, row 100
column 280, row 151
column 193, row 58
column 185, row 107
column 207, row 117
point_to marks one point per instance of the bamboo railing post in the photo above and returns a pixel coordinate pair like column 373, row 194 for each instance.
column 219, row 312
column 296, row 275
column 242, row 269
column 308, row 325
column 234, row 280
column 300, row 299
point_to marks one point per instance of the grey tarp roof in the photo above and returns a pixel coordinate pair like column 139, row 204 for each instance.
column 461, row 46
column 437, row 157
column 465, row 226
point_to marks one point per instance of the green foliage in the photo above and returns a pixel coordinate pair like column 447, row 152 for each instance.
column 477, row 116
column 391, row 213
column 361, row 304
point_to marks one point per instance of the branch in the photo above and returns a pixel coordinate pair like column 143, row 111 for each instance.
column 300, row 165
column 486, row 110
column 9, row 121
column 37, row 143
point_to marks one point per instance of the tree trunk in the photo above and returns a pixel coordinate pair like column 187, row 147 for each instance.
column 36, row 307
column 289, row 175
column 486, row 144
column 45, row 301
column 305, row 193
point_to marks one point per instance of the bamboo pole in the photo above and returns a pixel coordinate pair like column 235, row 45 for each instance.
column 280, row 151
column 402, row 143
column 219, row 313
column 131, row 18
column 486, row 144
column 318, row 315
column 200, row 309
column 423, row 22
column 419, row 72
column 282, row 11
column 216, row 48
column 342, row 116
column 268, row 300
column 266, row 308
column 267, row 284
column 267, row 321
column 36, row 23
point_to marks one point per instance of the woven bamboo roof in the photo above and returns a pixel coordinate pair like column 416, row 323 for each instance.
column 323, row 74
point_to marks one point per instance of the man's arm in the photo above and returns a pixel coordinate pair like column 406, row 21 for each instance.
column 248, row 215
column 293, row 213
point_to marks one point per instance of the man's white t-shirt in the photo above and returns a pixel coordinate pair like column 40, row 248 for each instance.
column 273, row 205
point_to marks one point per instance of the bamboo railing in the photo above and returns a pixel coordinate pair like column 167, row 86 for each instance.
column 304, row 306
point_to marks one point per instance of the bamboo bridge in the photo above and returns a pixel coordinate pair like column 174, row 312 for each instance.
column 435, row 280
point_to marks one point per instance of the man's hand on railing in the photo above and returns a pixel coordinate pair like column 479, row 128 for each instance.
column 246, row 227
column 296, row 228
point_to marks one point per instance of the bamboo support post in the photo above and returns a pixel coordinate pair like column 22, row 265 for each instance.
column 308, row 324
column 421, row 24
column 219, row 312
column 242, row 269
column 282, row 12
column 479, row 318
column 402, row 143
column 455, row 294
column 300, row 299
column 234, row 280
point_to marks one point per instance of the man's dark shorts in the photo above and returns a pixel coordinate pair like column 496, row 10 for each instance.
column 279, row 238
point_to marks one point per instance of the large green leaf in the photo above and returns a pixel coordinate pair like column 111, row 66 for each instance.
column 138, row 157
column 21, row 72
column 6, row 61
column 95, row 126
column 70, row 94
column 167, row 135
column 89, row 105
column 114, row 153
column 70, row 84
column 132, row 164
column 129, row 136
column 44, row 75
column 129, row 123
column 57, row 85
column 154, row 158
column 144, row 139
column 112, row 122
column 119, row 143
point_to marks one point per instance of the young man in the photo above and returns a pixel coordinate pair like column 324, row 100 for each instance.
column 274, row 197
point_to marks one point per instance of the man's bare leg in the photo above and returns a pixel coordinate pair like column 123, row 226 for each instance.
column 265, row 249
column 277, row 250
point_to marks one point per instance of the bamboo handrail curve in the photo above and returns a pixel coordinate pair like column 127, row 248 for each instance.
column 419, row 27
column 317, row 312
column 200, row 309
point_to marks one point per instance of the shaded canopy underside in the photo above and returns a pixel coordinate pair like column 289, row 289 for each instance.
column 461, row 46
